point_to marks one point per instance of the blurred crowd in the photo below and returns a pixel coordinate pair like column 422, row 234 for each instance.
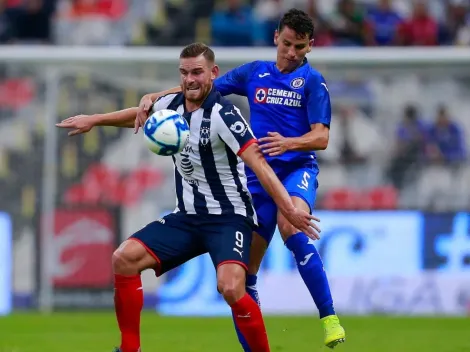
column 232, row 22
column 400, row 136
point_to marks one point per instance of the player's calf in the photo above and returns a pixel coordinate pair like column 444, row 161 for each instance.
column 245, row 311
column 128, row 261
column 308, row 261
column 257, row 250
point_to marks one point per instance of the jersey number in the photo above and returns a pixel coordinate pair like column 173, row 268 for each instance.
column 304, row 183
column 238, row 243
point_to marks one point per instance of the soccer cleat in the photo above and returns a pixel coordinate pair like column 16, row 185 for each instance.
column 117, row 349
column 334, row 332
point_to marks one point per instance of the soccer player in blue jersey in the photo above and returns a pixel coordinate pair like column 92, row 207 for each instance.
column 290, row 115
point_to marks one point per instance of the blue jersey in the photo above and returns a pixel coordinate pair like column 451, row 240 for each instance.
column 287, row 103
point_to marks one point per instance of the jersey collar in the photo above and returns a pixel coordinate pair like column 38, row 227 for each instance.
column 211, row 99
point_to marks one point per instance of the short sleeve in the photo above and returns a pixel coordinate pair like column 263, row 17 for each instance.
column 318, row 101
column 163, row 102
column 235, row 81
column 233, row 129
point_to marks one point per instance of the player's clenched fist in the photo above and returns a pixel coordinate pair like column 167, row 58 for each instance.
column 78, row 124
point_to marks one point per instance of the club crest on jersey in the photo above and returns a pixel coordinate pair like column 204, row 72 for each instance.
column 261, row 94
column 297, row 83
column 204, row 136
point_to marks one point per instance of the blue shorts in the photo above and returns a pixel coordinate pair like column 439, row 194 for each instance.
column 299, row 179
column 179, row 237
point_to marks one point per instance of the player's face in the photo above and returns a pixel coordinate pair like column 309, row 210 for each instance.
column 197, row 75
column 291, row 49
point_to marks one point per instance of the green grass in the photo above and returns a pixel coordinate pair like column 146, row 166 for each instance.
column 97, row 332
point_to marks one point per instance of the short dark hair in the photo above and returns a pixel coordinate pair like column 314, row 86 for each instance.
column 196, row 49
column 299, row 21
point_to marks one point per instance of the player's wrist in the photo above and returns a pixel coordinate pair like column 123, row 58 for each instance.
column 96, row 119
column 290, row 143
column 288, row 208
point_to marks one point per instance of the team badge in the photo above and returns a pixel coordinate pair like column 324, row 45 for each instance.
column 260, row 95
column 205, row 136
column 297, row 83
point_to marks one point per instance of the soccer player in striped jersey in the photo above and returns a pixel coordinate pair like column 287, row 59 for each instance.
column 214, row 211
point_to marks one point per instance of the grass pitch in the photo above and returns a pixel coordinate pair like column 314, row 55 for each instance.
column 97, row 332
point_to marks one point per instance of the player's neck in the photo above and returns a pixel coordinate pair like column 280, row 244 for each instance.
column 192, row 106
column 286, row 69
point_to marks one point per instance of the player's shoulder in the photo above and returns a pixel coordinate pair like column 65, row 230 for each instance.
column 314, row 79
column 254, row 66
column 262, row 63
column 314, row 74
column 227, row 110
column 225, row 105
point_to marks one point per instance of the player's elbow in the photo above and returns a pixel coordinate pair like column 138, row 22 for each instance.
column 321, row 142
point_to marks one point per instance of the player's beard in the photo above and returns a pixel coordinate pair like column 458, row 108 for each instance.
column 196, row 93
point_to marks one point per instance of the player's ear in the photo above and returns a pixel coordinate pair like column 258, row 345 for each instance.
column 276, row 37
column 215, row 72
column 310, row 45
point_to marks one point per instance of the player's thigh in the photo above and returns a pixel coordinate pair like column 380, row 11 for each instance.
column 266, row 210
column 303, row 183
column 170, row 241
column 302, row 186
column 228, row 239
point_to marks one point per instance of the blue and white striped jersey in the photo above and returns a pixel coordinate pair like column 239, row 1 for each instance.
column 209, row 174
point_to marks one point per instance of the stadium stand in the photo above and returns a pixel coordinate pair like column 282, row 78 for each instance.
column 363, row 151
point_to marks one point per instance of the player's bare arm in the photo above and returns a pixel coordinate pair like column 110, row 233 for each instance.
column 84, row 123
column 276, row 144
column 126, row 118
column 302, row 220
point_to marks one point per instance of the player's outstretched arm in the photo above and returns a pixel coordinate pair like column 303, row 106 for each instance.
column 83, row 123
column 126, row 118
column 302, row 220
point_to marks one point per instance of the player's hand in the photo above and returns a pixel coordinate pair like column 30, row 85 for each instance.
column 304, row 222
column 78, row 124
column 274, row 144
column 143, row 113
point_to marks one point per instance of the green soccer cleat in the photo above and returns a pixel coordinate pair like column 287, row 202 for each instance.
column 117, row 349
column 334, row 332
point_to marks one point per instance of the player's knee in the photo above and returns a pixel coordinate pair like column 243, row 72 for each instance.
column 128, row 258
column 231, row 282
column 285, row 228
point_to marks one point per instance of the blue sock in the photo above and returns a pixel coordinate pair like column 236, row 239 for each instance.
column 311, row 270
column 251, row 288
column 253, row 292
